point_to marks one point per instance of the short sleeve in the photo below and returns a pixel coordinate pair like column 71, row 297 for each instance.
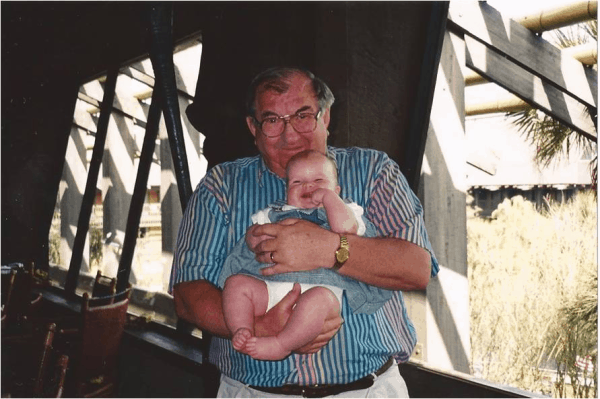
column 396, row 211
column 358, row 211
column 200, row 248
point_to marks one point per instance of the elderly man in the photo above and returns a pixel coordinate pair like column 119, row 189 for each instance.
column 355, row 356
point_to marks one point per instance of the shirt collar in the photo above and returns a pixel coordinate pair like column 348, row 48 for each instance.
column 263, row 170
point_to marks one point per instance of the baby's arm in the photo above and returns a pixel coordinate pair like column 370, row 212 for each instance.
column 340, row 216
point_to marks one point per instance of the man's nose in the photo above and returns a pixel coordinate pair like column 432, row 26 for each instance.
column 289, row 134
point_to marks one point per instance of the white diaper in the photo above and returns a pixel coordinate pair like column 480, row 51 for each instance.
column 277, row 290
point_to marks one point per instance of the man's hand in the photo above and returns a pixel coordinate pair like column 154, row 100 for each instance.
column 330, row 328
column 253, row 239
column 297, row 245
column 274, row 320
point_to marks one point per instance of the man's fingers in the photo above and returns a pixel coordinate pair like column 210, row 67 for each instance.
column 330, row 328
column 271, row 229
column 288, row 222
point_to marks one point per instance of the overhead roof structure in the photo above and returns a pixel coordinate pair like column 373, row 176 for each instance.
column 510, row 54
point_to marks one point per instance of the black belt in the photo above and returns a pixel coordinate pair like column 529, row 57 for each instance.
column 320, row 391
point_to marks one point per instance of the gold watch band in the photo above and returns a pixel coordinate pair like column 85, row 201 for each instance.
column 342, row 254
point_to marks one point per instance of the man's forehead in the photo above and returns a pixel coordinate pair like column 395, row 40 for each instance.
column 296, row 82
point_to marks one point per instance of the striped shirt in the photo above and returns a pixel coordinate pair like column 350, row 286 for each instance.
column 217, row 216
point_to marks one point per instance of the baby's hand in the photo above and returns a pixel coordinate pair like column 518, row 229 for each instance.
column 318, row 196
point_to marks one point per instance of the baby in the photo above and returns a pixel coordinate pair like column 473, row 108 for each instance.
column 312, row 194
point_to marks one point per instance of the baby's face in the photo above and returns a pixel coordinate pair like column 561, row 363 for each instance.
column 306, row 176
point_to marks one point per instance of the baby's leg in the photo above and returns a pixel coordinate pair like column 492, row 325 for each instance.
column 306, row 322
column 244, row 297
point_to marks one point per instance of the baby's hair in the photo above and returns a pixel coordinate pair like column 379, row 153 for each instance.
column 306, row 154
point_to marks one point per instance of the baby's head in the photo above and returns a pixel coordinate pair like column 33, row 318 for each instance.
column 306, row 172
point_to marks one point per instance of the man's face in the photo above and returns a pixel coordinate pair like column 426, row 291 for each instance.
column 277, row 151
column 306, row 176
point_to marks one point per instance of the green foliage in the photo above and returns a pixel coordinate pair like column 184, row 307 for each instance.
column 54, row 241
column 529, row 273
column 96, row 247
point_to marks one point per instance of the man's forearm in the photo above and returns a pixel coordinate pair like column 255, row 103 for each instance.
column 200, row 303
column 390, row 263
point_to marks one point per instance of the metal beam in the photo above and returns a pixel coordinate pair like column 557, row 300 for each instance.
column 89, row 195
column 92, row 101
column 136, row 206
column 161, row 55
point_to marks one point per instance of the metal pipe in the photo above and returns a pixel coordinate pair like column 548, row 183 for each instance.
column 558, row 17
column 139, row 193
column 586, row 53
column 161, row 55
column 508, row 103
column 472, row 78
column 89, row 195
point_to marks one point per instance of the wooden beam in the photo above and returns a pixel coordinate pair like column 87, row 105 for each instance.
column 116, row 108
column 524, row 48
column 149, row 81
column 586, row 53
column 540, row 94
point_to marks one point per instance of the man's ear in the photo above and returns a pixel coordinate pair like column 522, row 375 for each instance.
column 337, row 190
column 326, row 116
column 251, row 125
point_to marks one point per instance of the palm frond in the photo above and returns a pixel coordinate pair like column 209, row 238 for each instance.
column 553, row 140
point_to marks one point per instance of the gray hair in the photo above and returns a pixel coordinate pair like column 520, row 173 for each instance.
column 277, row 79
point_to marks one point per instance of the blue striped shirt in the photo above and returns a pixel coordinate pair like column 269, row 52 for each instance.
column 217, row 216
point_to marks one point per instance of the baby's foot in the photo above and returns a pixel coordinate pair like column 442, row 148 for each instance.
column 266, row 348
column 240, row 337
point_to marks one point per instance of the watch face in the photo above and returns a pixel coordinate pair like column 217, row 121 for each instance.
column 342, row 255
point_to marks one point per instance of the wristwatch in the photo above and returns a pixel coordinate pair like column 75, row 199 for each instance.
column 342, row 254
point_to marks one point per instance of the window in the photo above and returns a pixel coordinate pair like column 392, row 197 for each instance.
column 118, row 171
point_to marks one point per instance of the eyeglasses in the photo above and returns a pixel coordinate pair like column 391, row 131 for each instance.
column 302, row 122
